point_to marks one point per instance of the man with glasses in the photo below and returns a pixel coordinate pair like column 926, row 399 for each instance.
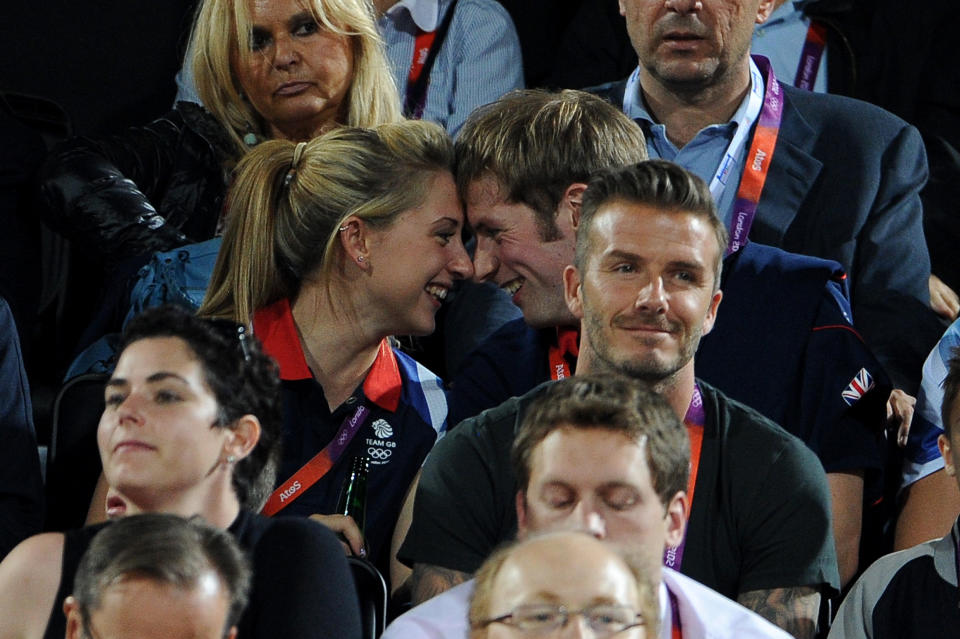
column 538, row 586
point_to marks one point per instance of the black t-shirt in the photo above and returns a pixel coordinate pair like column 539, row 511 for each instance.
column 760, row 518
column 302, row 585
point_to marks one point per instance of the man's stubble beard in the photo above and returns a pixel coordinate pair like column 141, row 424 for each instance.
column 655, row 375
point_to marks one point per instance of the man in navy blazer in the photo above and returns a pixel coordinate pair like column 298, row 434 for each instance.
column 843, row 179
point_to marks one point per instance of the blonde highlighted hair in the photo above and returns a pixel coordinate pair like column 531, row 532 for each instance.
column 221, row 29
column 284, row 219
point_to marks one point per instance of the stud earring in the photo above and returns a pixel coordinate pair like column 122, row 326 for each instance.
column 231, row 459
column 360, row 259
column 250, row 137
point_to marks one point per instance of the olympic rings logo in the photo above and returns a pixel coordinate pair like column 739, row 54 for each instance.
column 379, row 453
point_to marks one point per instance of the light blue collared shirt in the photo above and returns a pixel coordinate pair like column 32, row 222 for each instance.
column 702, row 155
column 479, row 61
column 781, row 38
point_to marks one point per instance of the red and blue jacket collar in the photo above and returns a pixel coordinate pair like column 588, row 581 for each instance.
column 275, row 328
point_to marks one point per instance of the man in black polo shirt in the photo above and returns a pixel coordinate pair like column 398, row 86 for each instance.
column 645, row 286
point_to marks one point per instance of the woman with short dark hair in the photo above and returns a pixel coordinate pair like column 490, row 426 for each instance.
column 192, row 427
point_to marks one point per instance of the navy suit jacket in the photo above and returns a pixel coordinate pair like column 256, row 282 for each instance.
column 844, row 184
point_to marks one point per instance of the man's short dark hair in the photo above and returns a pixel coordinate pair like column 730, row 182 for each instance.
column 164, row 548
column 656, row 183
column 244, row 381
column 611, row 403
column 537, row 143
column 951, row 388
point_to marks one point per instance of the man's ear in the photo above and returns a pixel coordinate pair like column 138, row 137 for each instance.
column 572, row 291
column 943, row 443
column 675, row 519
column 711, row 318
column 521, row 506
column 71, row 610
column 571, row 203
column 355, row 241
column 245, row 433
column 765, row 8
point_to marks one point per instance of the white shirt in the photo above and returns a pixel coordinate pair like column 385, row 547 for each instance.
column 704, row 614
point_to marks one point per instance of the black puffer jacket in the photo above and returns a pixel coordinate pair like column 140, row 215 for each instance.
column 149, row 189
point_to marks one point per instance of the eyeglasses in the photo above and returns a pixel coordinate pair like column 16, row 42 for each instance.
column 604, row 620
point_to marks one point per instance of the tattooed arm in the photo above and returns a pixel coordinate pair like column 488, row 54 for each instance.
column 428, row 581
column 796, row 610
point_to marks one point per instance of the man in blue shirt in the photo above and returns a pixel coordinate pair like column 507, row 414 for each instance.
column 829, row 176
column 477, row 58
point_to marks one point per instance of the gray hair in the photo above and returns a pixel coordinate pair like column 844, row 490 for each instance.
column 164, row 548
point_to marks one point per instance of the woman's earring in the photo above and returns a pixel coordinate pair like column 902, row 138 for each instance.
column 231, row 459
column 250, row 138
column 360, row 259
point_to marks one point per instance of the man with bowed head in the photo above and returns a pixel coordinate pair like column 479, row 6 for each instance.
column 604, row 455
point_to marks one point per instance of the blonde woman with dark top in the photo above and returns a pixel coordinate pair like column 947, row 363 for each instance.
column 333, row 246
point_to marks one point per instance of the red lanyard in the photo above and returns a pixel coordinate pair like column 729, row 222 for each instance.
column 311, row 472
column 421, row 49
column 414, row 104
column 813, row 47
column 758, row 158
column 563, row 355
column 694, row 420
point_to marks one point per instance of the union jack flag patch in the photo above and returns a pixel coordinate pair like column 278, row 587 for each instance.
column 857, row 387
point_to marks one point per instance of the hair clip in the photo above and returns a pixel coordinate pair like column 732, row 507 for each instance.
column 292, row 173
column 244, row 343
